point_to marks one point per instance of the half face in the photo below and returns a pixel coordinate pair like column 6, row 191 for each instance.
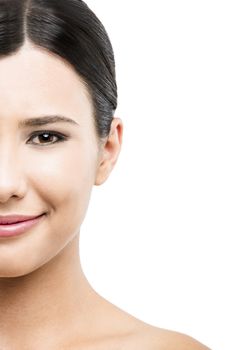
column 47, row 168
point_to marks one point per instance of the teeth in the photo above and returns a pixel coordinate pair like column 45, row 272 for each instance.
column 11, row 223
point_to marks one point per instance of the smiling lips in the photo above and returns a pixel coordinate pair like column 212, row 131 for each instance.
column 13, row 225
column 11, row 219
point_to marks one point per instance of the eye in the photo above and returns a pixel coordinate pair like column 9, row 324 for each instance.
column 46, row 136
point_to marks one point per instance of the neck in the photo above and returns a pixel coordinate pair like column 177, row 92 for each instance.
column 54, row 298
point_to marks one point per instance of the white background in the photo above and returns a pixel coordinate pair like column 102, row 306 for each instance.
column 166, row 237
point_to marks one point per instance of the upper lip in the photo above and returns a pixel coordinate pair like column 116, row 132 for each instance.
column 11, row 219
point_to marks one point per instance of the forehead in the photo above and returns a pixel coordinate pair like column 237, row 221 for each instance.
column 34, row 81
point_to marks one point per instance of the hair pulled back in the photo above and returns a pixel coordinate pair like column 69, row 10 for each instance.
column 71, row 30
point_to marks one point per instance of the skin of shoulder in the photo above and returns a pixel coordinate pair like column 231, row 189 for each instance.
column 126, row 332
column 153, row 338
column 171, row 340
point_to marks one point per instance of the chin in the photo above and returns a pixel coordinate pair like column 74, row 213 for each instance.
column 12, row 272
column 15, row 269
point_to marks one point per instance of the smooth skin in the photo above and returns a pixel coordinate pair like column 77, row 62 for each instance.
column 46, row 302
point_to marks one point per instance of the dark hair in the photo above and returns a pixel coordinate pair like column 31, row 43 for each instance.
column 67, row 28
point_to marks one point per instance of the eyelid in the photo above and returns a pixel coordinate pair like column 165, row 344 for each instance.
column 61, row 137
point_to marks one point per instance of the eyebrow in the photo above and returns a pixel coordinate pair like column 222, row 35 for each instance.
column 44, row 120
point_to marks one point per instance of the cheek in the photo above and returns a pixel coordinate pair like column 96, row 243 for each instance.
column 59, row 181
column 64, row 179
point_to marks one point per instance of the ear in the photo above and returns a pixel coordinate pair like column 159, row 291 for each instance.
column 109, row 152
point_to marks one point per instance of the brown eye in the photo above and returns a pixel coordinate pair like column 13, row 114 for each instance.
column 47, row 137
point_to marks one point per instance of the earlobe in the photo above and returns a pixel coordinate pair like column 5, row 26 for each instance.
column 102, row 173
column 110, row 152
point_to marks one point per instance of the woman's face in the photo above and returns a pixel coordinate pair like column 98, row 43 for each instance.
column 37, row 173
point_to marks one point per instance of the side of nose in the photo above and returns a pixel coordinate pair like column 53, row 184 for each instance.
column 11, row 175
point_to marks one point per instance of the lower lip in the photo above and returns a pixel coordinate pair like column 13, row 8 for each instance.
column 19, row 227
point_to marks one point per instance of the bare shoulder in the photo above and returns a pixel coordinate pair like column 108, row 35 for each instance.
column 122, row 331
column 174, row 340
column 153, row 338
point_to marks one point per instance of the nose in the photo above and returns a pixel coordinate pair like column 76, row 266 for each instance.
column 11, row 177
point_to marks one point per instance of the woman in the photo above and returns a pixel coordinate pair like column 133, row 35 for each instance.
column 58, row 138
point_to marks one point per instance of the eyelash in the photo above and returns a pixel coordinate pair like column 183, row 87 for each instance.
column 61, row 137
